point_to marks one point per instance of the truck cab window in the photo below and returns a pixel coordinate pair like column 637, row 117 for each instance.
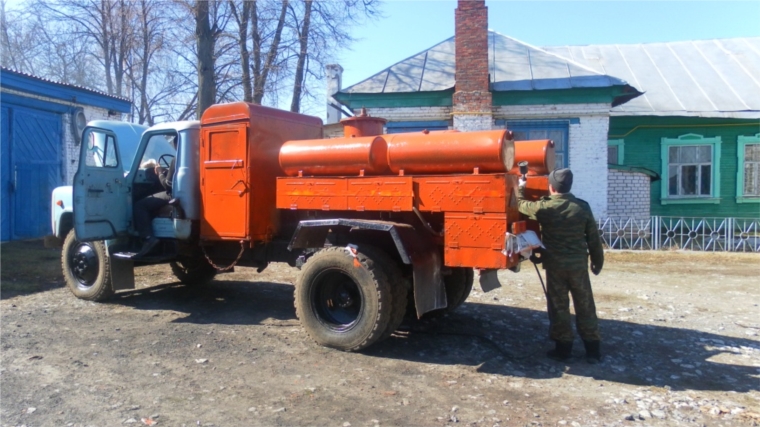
column 101, row 151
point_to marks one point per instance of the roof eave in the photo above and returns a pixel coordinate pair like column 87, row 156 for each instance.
column 441, row 98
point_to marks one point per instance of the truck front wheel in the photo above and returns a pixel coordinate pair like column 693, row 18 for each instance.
column 343, row 297
column 86, row 268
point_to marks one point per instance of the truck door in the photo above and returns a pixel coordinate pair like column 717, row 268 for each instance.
column 100, row 191
column 224, row 182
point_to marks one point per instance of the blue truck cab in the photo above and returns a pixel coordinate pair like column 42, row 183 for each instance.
column 94, row 216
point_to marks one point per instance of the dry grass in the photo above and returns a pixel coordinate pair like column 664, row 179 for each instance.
column 683, row 257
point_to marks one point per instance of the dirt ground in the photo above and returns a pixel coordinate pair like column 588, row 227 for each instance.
column 680, row 337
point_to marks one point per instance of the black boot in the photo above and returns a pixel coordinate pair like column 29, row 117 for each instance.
column 562, row 351
column 593, row 353
column 148, row 246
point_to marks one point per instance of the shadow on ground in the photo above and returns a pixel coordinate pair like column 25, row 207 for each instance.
column 499, row 340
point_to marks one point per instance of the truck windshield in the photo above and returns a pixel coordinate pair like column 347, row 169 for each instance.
column 160, row 150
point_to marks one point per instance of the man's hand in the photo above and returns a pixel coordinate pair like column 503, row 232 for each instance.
column 159, row 170
column 521, row 183
column 596, row 270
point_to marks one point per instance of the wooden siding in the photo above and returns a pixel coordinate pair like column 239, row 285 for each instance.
column 643, row 136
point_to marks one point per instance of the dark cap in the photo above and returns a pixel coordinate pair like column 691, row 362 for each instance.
column 561, row 180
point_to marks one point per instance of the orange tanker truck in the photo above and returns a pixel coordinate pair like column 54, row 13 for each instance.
column 378, row 224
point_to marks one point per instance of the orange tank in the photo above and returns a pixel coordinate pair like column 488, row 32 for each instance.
column 339, row 156
column 450, row 152
column 539, row 154
column 362, row 125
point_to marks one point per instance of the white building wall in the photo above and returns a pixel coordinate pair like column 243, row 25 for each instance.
column 413, row 114
column 628, row 195
column 587, row 150
column 587, row 139
column 70, row 151
column 473, row 122
column 587, row 145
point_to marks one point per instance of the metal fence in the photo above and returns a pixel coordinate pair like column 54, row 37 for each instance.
column 698, row 234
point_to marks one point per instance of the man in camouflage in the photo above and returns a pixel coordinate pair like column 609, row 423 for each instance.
column 570, row 235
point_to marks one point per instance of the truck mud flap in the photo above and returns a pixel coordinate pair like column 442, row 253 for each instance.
column 415, row 248
column 427, row 263
column 122, row 274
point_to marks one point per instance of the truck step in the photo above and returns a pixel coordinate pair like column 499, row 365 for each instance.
column 132, row 256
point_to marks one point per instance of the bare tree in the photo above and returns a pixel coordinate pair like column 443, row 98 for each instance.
column 262, row 70
column 242, row 18
column 322, row 28
column 205, row 40
column 302, row 31
column 149, row 42
column 262, row 51
column 104, row 22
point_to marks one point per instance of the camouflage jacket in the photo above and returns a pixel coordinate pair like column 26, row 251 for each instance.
column 568, row 230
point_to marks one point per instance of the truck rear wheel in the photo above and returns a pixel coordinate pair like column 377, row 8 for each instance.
column 86, row 268
column 458, row 286
column 344, row 299
column 193, row 271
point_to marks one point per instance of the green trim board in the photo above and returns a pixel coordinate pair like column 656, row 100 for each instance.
column 624, row 126
column 603, row 95
column 396, row 100
column 691, row 201
column 606, row 95
column 742, row 142
column 620, row 144
column 691, row 139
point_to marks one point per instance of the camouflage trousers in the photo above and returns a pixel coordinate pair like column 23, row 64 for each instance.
column 560, row 283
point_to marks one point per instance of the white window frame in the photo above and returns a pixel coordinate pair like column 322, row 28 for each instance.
column 742, row 142
column 690, row 139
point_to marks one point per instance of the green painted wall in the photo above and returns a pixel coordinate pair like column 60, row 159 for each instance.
column 643, row 136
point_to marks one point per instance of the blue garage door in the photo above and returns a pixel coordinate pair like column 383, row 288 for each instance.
column 33, row 172
column 5, row 176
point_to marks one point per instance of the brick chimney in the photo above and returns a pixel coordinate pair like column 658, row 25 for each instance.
column 334, row 78
column 472, row 97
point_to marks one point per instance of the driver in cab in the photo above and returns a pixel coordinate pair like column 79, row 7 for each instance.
column 146, row 209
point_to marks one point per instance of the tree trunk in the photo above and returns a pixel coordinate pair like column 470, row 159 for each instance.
column 104, row 41
column 261, row 71
column 295, row 105
column 145, row 113
column 242, row 19
column 205, row 43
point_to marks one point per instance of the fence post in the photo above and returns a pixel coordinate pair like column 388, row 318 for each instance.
column 655, row 232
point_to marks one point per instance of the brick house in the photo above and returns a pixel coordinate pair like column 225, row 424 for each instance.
column 622, row 140
column 697, row 126
column 41, row 126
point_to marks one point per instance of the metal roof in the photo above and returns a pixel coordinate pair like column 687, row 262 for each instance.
column 513, row 65
column 29, row 83
column 702, row 78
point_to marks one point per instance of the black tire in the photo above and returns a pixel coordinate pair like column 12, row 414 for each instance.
column 400, row 287
column 86, row 269
column 344, row 300
column 458, row 286
column 193, row 271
